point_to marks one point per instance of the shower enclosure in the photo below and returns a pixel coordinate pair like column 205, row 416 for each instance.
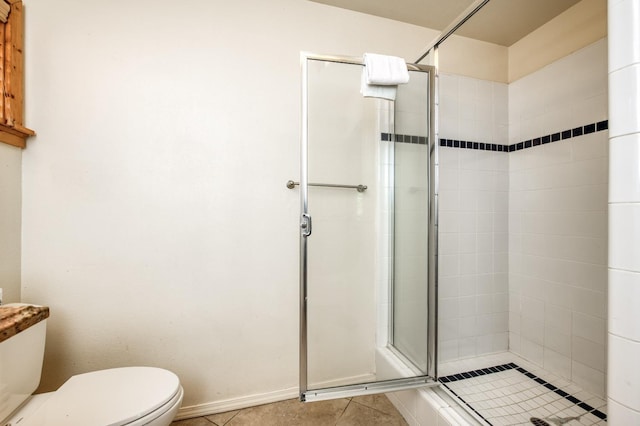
column 367, row 232
column 518, row 168
column 523, row 232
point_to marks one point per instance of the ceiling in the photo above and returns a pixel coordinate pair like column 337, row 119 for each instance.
column 501, row 22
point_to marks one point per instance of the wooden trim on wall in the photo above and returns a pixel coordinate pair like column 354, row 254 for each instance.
column 12, row 130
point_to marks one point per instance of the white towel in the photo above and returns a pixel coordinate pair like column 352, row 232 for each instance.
column 385, row 70
column 381, row 75
column 376, row 91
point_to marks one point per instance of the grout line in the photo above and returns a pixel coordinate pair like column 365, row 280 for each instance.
column 374, row 408
column 234, row 416
column 345, row 410
column 340, row 417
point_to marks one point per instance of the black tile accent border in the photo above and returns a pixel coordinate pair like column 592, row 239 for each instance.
column 555, row 137
column 504, row 367
column 396, row 137
column 453, row 143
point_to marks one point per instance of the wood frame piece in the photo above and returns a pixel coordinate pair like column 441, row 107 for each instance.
column 12, row 130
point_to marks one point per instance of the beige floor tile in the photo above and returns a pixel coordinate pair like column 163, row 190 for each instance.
column 360, row 415
column 198, row 421
column 379, row 402
column 371, row 410
column 292, row 413
column 222, row 419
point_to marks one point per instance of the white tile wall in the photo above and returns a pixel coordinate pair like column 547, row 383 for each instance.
column 624, row 173
column 624, row 205
column 623, row 386
column 620, row 415
column 560, row 95
column 624, row 219
column 473, row 219
column 524, row 235
column 625, row 86
column 624, row 292
column 558, row 219
column 624, row 16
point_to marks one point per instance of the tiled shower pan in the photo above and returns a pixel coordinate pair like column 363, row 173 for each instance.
column 503, row 389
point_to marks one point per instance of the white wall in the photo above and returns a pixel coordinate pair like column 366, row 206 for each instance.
column 157, row 224
column 474, row 58
column 10, row 221
column 624, row 213
column 577, row 27
column 557, row 219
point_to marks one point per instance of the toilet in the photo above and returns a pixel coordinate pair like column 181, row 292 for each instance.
column 131, row 396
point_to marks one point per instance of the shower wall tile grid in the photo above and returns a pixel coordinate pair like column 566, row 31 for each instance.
column 507, row 393
column 473, row 253
column 558, row 218
column 554, row 220
column 473, row 230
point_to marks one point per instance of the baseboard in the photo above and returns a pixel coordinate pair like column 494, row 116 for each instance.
column 259, row 399
column 235, row 403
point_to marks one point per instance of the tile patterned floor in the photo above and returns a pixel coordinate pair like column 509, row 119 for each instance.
column 372, row 410
column 504, row 389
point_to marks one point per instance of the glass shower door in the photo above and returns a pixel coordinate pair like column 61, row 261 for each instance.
column 411, row 202
column 345, row 306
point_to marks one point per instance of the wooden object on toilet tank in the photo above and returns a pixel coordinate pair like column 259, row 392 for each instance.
column 12, row 130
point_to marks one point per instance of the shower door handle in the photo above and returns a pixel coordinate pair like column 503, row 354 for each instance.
column 305, row 224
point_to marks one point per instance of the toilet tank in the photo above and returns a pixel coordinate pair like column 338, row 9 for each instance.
column 21, row 353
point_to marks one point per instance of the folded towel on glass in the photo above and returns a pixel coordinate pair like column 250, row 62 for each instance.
column 375, row 91
column 385, row 70
column 381, row 75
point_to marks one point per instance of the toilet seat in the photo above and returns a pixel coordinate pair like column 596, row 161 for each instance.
column 162, row 416
column 114, row 397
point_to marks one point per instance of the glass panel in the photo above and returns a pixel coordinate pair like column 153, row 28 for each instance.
column 350, row 252
column 411, row 216
column 342, row 149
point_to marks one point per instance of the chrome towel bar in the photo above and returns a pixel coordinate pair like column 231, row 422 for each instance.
column 360, row 188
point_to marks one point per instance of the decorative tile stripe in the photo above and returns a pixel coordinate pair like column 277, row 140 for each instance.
column 474, row 145
column 565, row 134
column 511, row 366
column 419, row 140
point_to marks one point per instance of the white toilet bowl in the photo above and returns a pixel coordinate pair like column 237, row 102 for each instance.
column 131, row 396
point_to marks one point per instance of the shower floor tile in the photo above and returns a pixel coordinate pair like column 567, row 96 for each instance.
column 504, row 389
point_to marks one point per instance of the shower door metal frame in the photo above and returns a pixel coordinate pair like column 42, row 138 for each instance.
column 425, row 380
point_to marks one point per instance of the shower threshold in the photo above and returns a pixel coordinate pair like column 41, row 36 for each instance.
column 505, row 389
